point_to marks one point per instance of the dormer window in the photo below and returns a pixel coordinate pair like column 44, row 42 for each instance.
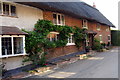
column 107, row 29
column 58, row 19
column 84, row 23
column 7, row 9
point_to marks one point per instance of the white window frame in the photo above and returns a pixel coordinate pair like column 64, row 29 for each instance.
column 60, row 18
column 110, row 38
column 9, row 8
column 53, row 33
column 98, row 26
column 12, row 36
column 84, row 25
column 100, row 38
column 72, row 42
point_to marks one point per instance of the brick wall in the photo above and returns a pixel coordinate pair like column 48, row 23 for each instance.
column 71, row 21
column 52, row 53
column 102, row 31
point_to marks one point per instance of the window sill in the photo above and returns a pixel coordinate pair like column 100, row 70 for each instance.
column 69, row 44
column 98, row 29
column 60, row 24
column 85, row 27
column 6, row 56
column 8, row 16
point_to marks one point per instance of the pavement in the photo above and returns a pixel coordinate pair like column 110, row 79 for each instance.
column 102, row 65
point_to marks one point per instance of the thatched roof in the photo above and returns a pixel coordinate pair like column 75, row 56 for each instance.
column 77, row 9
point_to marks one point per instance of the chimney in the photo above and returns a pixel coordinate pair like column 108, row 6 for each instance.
column 94, row 5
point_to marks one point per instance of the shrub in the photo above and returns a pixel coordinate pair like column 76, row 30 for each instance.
column 97, row 46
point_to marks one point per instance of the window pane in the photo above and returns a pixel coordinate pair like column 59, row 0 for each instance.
column 53, row 36
column 13, row 11
column 100, row 38
column 59, row 19
column 54, row 19
column 0, row 8
column 98, row 26
column 5, row 9
column 72, row 39
column 63, row 20
column 58, row 36
column 48, row 37
column 108, row 37
column 18, row 45
column 6, row 46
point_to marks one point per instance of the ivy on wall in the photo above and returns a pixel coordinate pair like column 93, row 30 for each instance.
column 37, row 42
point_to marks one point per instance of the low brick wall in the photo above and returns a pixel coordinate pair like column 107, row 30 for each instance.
column 56, row 52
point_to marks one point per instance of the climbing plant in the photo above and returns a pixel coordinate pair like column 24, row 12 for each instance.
column 37, row 42
column 79, row 36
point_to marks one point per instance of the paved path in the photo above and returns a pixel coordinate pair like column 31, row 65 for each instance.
column 103, row 65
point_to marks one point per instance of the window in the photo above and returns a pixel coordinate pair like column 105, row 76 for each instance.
column 58, row 19
column 109, row 38
column 53, row 36
column 71, row 40
column 18, row 45
column 98, row 26
column 7, row 9
column 100, row 37
column 84, row 23
column 6, row 46
column 107, row 29
column 12, row 46
column 13, row 10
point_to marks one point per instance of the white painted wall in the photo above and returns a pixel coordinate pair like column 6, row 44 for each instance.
column 13, row 62
column 26, row 18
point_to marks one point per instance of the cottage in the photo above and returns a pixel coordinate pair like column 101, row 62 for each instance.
column 23, row 15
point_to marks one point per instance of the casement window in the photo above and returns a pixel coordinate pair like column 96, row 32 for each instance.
column 12, row 45
column 98, row 26
column 53, row 36
column 58, row 19
column 7, row 9
column 100, row 38
column 109, row 38
column 71, row 40
column 84, row 23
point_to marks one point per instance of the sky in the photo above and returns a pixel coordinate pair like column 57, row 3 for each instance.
column 109, row 8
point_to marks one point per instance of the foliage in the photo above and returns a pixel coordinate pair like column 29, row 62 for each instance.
column 2, row 69
column 115, row 38
column 97, row 46
column 79, row 36
column 103, row 45
column 37, row 42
